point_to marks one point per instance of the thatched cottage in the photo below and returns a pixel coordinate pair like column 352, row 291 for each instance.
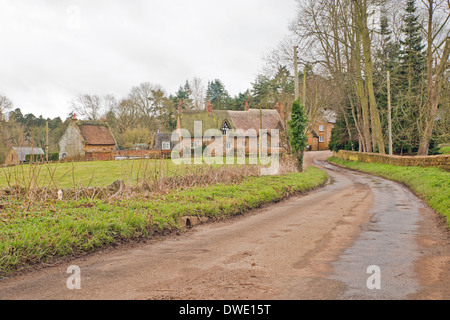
column 230, row 123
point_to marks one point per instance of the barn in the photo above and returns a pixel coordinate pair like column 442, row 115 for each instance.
column 18, row 155
column 87, row 140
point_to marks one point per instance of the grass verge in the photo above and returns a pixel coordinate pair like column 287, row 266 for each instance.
column 430, row 184
column 445, row 150
column 53, row 230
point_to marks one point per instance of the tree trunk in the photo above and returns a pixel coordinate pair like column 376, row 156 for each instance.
column 361, row 95
column 375, row 116
column 434, row 82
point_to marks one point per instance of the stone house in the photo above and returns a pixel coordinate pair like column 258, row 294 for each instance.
column 87, row 140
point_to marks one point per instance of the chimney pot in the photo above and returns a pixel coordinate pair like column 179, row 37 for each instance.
column 209, row 107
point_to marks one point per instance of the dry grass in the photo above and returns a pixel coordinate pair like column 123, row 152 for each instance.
column 38, row 182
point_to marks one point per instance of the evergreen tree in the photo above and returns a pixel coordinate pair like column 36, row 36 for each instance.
column 297, row 132
column 218, row 95
column 340, row 139
column 267, row 91
column 412, row 57
column 408, row 81
column 184, row 95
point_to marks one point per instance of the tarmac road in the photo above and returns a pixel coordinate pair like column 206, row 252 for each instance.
column 316, row 246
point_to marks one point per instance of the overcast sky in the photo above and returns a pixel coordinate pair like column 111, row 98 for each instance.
column 53, row 50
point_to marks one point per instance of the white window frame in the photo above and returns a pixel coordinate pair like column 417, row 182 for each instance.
column 165, row 145
column 322, row 128
column 322, row 139
column 229, row 145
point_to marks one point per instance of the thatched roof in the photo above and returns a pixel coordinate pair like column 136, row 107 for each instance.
column 237, row 120
column 256, row 119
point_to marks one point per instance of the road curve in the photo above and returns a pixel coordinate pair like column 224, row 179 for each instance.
column 315, row 246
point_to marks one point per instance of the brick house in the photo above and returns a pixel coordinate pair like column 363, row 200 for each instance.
column 87, row 140
column 320, row 135
column 229, row 123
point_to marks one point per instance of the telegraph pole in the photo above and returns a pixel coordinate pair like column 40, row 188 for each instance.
column 46, row 140
column 304, row 87
column 391, row 149
column 297, row 89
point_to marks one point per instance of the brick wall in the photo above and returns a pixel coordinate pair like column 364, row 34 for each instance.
column 142, row 154
column 441, row 161
column 326, row 133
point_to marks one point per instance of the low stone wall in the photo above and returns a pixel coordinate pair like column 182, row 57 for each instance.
column 441, row 161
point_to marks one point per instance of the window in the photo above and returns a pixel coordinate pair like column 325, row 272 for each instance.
column 225, row 128
column 229, row 145
column 321, row 139
column 321, row 128
column 166, row 146
column 194, row 145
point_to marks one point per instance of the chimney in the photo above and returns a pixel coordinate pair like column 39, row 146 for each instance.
column 280, row 108
column 247, row 107
column 209, row 107
column 180, row 107
column 74, row 118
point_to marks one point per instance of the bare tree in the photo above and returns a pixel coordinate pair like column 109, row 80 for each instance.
column 146, row 102
column 361, row 16
column 126, row 114
column 5, row 105
column 90, row 107
column 198, row 93
column 438, row 52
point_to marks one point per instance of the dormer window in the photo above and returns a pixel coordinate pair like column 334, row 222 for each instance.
column 225, row 128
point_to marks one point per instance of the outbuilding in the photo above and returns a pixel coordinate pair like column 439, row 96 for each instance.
column 87, row 140
column 18, row 155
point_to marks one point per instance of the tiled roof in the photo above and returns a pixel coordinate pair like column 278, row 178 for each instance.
column 96, row 134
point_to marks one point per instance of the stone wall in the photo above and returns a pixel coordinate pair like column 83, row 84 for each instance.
column 441, row 161
column 71, row 145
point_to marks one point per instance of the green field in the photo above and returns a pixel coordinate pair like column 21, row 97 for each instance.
column 84, row 174
column 430, row 184
column 52, row 230
column 89, row 174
